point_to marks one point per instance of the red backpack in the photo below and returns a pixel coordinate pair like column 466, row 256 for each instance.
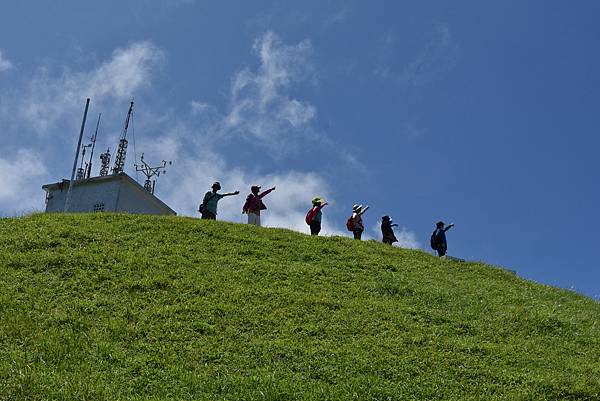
column 350, row 224
column 311, row 214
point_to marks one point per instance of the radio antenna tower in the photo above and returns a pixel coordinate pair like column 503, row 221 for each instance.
column 88, row 167
column 122, row 148
column 150, row 172
column 104, row 163
column 81, row 171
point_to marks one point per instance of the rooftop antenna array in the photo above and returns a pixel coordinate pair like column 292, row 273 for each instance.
column 150, row 172
column 122, row 148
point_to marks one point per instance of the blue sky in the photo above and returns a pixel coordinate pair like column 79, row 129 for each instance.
column 479, row 113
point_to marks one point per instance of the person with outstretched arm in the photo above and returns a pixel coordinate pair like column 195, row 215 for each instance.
column 254, row 204
column 438, row 238
column 387, row 230
column 208, row 207
column 357, row 222
column 315, row 215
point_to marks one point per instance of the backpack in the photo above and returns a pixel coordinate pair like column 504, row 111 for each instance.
column 433, row 241
column 311, row 214
column 250, row 199
column 350, row 224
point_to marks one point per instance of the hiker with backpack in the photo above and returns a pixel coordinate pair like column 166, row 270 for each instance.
column 314, row 215
column 387, row 230
column 254, row 204
column 208, row 207
column 438, row 238
column 355, row 223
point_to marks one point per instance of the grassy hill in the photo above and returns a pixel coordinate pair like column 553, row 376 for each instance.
column 118, row 307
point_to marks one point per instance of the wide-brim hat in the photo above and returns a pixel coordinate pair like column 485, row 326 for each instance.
column 386, row 217
column 356, row 208
column 216, row 184
column 255, row 188
column 317, row 200
column 440, row 223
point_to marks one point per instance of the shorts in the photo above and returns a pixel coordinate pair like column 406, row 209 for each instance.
column 206, row 215
column 315, row 227
column 254, row 219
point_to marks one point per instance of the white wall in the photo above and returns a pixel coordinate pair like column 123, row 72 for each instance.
column 117, row 195
column 84, row 197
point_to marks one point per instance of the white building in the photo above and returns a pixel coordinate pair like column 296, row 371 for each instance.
column 111, row 193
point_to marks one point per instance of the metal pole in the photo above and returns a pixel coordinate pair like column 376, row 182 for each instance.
column 89, row 169
column 68, row 200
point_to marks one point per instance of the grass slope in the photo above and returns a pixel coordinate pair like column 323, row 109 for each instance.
column 117, row 307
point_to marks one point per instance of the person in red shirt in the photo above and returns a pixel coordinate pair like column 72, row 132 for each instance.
column 254, row 204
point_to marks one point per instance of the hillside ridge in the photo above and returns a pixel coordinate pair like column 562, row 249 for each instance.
column 108, row 306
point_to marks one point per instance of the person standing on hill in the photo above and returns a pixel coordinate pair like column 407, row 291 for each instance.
column 208, row 207
column 254, row 204
column 387, row 230
column 314, row 215
column 355, row 223
column 438, row 238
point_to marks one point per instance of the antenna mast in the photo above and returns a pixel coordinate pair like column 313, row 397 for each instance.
column 88, row 172
column 122, row 149
column 150, row 172
column 68, row 200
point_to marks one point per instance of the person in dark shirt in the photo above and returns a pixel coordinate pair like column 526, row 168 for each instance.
column 438, row 238
column 387, row 230
column 208, row 207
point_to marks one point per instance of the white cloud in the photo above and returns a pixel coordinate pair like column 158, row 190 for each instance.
column 438, row 56
column 407, row 239
column 260, row 107
column 198, row 107
column 20, row 182
column 5, row 64
column 49, row 100
column 263, row 112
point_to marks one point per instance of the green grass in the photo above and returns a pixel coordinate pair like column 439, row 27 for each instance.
column 118, row 307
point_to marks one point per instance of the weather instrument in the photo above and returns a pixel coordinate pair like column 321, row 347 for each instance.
column 150, row 172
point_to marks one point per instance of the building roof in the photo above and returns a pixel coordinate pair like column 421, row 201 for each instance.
column 113, row 177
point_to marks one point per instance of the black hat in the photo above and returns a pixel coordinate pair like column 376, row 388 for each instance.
column 386, row 217
column 216, row 184
column 439, row 224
